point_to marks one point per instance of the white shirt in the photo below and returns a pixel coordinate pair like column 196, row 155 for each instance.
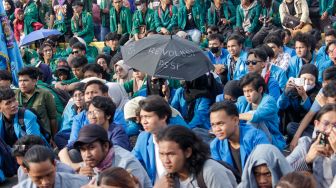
column 160, row 170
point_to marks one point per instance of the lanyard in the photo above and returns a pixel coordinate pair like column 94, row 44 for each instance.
column 30, row 101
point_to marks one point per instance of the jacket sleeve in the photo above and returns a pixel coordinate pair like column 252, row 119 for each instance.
column 233, row 11
column 290, row 70
column 173, row 19
column 305, row 12
column 330, row 7
column 157, row 20
column 75, row 128
column 30, row 122
column 201, row 114
column 73, row 28
column 135, row 26
column 119, row 137
column 282, row 12
column 50, row 106
column 297, row 158
column 265, row 110
column 255, row 20
column 137, row 149
column 214, row 150
column 274, row 89
column 88, row 27
column 128, row 21
column 211, row 19
column 306, row 104
column 239, row 21
column 283, row 101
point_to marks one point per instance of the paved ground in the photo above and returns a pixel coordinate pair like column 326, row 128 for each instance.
column 9, row 183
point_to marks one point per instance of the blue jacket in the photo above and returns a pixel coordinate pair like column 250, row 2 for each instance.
column 289, row 50
column 296, row 63
column 273, row 88
column 31, row 126
column 280, row 75
column 222, row 59
column 144, row 151
column 220, row 98
column 323, row 63
column 241, row 68
column 266, row 113
column 249, row 138
column 201, row 116
column 117, row 132
column 67, row 117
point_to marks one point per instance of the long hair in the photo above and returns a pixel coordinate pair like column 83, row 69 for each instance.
column 185, row 138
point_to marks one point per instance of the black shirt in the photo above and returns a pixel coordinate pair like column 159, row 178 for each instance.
column 291, row 8
column 190, row 23
column 219, row 14
column 10, row 136
column 236, row 158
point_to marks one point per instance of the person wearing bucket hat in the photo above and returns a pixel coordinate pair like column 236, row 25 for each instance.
column 99, row 153
column 82, row 22
column 143, row 19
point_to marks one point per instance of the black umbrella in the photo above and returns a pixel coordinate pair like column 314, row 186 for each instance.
column 169, row 57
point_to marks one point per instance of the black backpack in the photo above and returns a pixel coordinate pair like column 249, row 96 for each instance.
column 64, row 96
column 9, row 165
column 200, row 178
column 43, row 131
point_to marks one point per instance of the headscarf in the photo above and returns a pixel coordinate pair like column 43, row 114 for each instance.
column 127, row 69
column 232, row 88
column 118, row 94
column 272, row 157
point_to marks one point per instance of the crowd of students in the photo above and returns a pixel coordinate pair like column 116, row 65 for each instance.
column 81, row 117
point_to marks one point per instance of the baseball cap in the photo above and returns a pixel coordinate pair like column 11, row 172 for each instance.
column 91, row 133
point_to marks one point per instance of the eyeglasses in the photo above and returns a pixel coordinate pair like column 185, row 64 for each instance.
column 252, row 62
column 327, row 124
column 94, row 112
column 74, row 52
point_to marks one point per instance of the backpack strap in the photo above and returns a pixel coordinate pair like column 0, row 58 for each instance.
column 21, row 117
column 200, row 180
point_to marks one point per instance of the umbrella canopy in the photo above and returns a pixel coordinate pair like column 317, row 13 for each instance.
column 38, row 35
column 169, row 57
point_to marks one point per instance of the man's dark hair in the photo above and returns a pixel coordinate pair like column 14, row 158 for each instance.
column 213, row 28
column 112, row 36
column 269, row 51
column 254, row 79
column 330, row 32
column 229, row 107
column 258, row 52
column 93, row 68
column 329, row 74
column 104, row 88
column 156, row 104
column 216, row 36
column 72, row 41
column 328, row 46
column 303, row 38
column 105, row 104
column 45, row 44
column 31, row 72
column 38, row 154
column 330, row 89
column 238, row 38
column 275, row 39
column 78, row 61
column 79, row 45
column 186, row 138
column 5, row 75
column 78, row 87
column 6, row 93
column 106, row 57
column 25, row 143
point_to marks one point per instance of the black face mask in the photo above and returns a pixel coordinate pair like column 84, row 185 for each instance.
column 214, row 50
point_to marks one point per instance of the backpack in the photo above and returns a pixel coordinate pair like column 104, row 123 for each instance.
column 64, row 96
column 43, row 131
column 200, row 178
column 170, row 11
column 8, row 166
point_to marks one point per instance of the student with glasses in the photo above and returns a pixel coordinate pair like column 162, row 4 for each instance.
column 318, row 154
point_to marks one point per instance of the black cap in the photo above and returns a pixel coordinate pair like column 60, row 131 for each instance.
column 77, row 3
column 91, row 133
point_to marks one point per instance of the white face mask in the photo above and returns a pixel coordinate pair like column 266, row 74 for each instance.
column 307, row 87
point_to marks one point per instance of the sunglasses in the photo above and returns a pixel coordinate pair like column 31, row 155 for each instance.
column 252, row 62
column 19, row 148
column 74, row 52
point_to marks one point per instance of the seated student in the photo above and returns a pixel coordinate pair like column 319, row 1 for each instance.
column 99, row 153
column 304, row 47
column 329, row 36
column 120, row 18
column 256, row 63
column 328, row 60
column 296, row 100
column 180, row 150
column 82, row 23
column 231, row 92
column 259, row 109
column 104, row 60
column 143, row 19
column 22, row 146
column 236, row 58
column 122, row 72
column 234, row 140
column 191, row 20
column 325, row 96
column 6, row 79
column 318, row 154
column 62, row 137
column 111, row 44
column 218, row 55
column 193, row 101
column 165, row 17
column 274, row 71
column 286, row 37
column 264, row 167
column 136, row 84
column 299, row 179
column 10, row 128
column 79, row 49
column 40, row 163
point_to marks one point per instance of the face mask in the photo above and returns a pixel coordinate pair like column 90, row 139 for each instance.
column 307, row 87
column 214, row 49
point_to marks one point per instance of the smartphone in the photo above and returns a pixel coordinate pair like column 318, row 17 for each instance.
column 324, row 139
column 299, row 81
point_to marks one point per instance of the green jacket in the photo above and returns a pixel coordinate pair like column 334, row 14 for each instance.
column 167, row 18
column 253, row 15
column 125, row 20
column 229, row 13
column 30, row 16
column 86, row 31
column 105, row 17
column 138, row 20
column 273, row 13
column 203, row 4
column 196, row 14
column 327, row 6
column 42, row 11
